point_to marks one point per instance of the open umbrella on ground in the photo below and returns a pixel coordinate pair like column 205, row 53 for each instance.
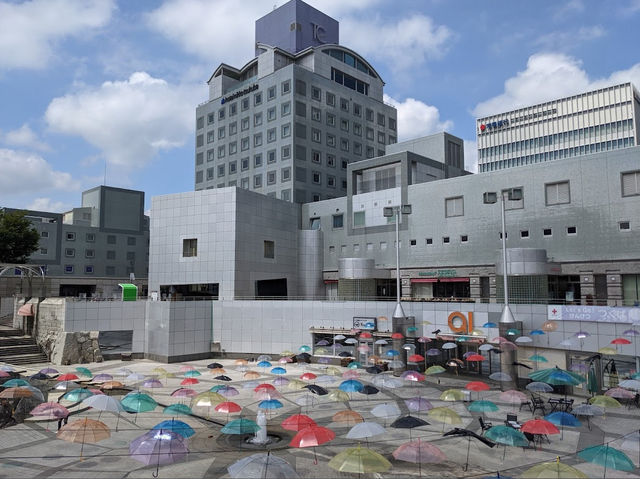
column 419, row 452
column 351, row 385
column 240, row 426
column 477, row 386
column 339, row 396
column 369, row 390
column 296, row 385
column 186, row 367
column 102, row 378
column 135, row 377
column 84, row 372
column 280, row 381
column 350, row 374
column 101, row 403
column 553, row 470
column 278, row 370
column 588, row 411
column 315, row 389
column 445, row 416
column 177, row 410
column 109, row 385
column 15, row 383
column 512, row 396
column 66, row 385
column 365, row 430
column 539, row 426
column 630, row 384
column 49, row 371
column 387, row 382
column 607, row 457
column 67, row 377
column 227, row 408
column 452, row 395
column 414, row 376
column 77, row 395
column 176, row 426
column 138, row 402
column 222, row 378
column 262, row 466
column 36, row 376
column 270, row 404
column 386, row 410
column 418, row 404
column 16, row 393
column 159, row 447
column 312, row 436
column 507, row 436
column 186, row 382
column 152, row 383
column 192, row 373
column 483, row 406
column 359, row 460
column 251, row 375
column 84, row 431
column 297, row 422
column 228, row 391
column 218, row 365
column 50, row 410
column 308, row 377
column 347, row 417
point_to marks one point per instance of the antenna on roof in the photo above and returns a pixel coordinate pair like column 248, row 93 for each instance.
column 104, row 181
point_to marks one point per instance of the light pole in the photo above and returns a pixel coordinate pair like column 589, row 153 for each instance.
column 390, row 211
column 507, row 358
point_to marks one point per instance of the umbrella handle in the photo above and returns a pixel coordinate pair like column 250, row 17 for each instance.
column 155, row 473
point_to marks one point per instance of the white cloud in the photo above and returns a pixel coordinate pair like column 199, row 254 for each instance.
column 130, row 121
column 30, row 30
column 568, row 10
column 408, row 42
column 416, row 119
column 24, row 172
column 471, row 155
column 549, row 76
column 47, row 204
column 24, row 137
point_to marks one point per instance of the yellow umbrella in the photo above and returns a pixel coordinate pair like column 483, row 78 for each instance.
column 607, row 350
column 333, row 371
column 251, row 375
column 452, row 395
column 444, row 415
column 348, row 417
column 359, row 460
column 604, row 401
column 207, row 399
column 338, row 396
column 296, row 384
column 286, row 352
column 553, row 470
column 158, row 370
column 434, row 370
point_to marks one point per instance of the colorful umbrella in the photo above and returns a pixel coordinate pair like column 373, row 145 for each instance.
column 280, row 381
column 418, row 404
column 264, row 364
column 452, row 395
column 138, row 402
column 434, row 370
column 158, row 447
column 84, row 431
column 539, row 426
column 553, row 470
column 112, row 385
column 240, row 426
column 270, row 404
column 513, row 397
column 538, row 387
column 500, row 376
column 620, row 393
column 386, row 410
column 296, row 384
column 415, row 358
column 67, row 377
column 183, row 392
column 351, row 385
column 507, row 435
column 560, row 418
column 608, row 351
column 365, row 429
column 84, row 372
column 607, row 457
column 537, row 358
column 557, row 377
column 228, row 407
column 444, row 415
column 419, row 452
column 297, row 422
column 483, row 406
column 152, row 383
column 177, row 410
column 187, row 382
column 339, row 396
column 620, row 341
column 15, row 383
column 360, row 461
column 412, row 376
column 77, row 395
column 176, row 426
column 49, row 371
column 604, row 401
column 50, row 410
column 348, row 417
column 311, row 436
column 308, row 377
column 630, row 384
column 477, row 386
column 251, row 375
column 278, row 370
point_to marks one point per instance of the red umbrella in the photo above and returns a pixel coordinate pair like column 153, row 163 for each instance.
column 67, row 377
column 308, row 377
column 189, row 381
column 539, row 426
column 620, row 341
column 366, row 335
column 476, row 358
column 312, row 436
column 297, row 422
column 397, row 336
column 415, row 358
column 477, row 386
column 265, row 386
column 228, row 407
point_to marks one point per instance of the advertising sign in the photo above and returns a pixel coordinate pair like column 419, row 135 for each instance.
column 598, row 314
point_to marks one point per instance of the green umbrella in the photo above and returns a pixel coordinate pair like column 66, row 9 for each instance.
column 358, row 460
column 77, row 395
column 592, row 382
column 434, row 370
column 507, row 435
column 177, row 409
column 557, row 377
column 84, row 372
column 192, row 374
column 538, row 358
column 607, row 457
column 553, row 470
column 217, row 387
column 240, row 426
column 483, row 406
column 138, row 402
column 15, row 383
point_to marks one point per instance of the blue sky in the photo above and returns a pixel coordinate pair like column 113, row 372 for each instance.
column 86, row 84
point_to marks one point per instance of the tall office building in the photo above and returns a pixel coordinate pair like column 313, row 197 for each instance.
column 289, row 122
column 591, row 122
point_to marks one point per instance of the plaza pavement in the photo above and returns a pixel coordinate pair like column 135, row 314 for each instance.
column 31, row 449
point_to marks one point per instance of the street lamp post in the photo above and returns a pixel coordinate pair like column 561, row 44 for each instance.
column 390, row 211
column 507, row 358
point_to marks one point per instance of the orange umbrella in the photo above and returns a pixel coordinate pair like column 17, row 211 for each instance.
column 476, row 358
column 217, row 371
column 477, row 386
column 348, row 417
column 241, row 362
column 84, row 431
column 251, row 375
column 112, row 385
column 15, row 393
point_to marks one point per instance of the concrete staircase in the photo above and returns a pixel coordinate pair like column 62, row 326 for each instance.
column 18, row 349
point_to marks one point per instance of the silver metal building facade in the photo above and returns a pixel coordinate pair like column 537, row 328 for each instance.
column 601, row 120
column 289, row 122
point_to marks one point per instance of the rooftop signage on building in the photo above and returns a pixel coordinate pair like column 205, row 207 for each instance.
column 238, row 94
column 441, row 273
column 599, row 314
column 495, row 125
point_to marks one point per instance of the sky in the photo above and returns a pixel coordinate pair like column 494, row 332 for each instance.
column 106, row 90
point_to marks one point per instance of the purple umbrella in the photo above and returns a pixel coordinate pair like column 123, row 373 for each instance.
column 323, row 360
column 631, row 332
column 183, row 393
column 467, row 354
column 160, row 447
column 228, row 391
column 49, row 371
column 433, row 352
column 152, row 383
column 281, row 381
column 102, row 378
column 418, row 404
column 579, row 368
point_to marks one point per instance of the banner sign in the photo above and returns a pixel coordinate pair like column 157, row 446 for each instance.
column 598, row 314
column 364, row 323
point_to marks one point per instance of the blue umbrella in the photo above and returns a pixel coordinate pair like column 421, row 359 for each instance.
column 270, row 404
column 176, row 426
column 537, row 332
column 489, row 325
column 350, row 386
column 240, row 426
column 393, row 352
column 15, row 383
column 278, row 370
column 561, row 418
column 264, row 364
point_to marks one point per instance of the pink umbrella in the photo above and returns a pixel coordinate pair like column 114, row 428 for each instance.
column 508, row 346
column 96, row 391
column 183, row 393
column 499, row 339
column 50, row 409
column 363, row 348
column 512, row 396
column 265, row 395
column 413, row 376
column 351, row 374
column 424, row 339
column 620, row 393
column 285, row 360
column 419, row 452
column 4, row 374
column 418, row 404
column 186, row 367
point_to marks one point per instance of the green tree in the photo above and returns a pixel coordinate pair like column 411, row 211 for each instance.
column 18, row 238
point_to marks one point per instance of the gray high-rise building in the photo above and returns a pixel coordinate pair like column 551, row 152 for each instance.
column 289, row 122
column 582, row 124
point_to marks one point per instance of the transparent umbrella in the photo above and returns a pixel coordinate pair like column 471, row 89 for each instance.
column 262, row 466
column 359, row 460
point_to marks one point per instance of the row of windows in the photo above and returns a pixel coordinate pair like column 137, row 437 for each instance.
column 90, row 253
column 89, row 269
column 350, row 82
column 558, row 154
column 91, row 238
column 463, row 239
column 582, row 134
column 351, row 60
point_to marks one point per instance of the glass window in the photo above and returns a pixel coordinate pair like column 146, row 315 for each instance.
column 221, row 132
column 257, row 98
column 344, row 104
column 315, row 135
column 271, row 177
column 271, row 93
column 344, row 124
column 331, row 99
column 244, row 183
column 314, row 223
column 316, row 156
column 331, row 181
column 244, row 143
column 233, row 167
column 301, row 88
column 271, row 156
column 286, row 152
column 316, row 177
column 233, row 109
column 271, row 113
column 233, row 128
column 331, row 119
column 257, row 119
column 71, row 236
column 189, row 248
column 285, row 174
column 285, row 130
column 69, row 252
column 257, row 139
column 331, row 140
column 631, row 183
column 269, row 249
column 209, row 173
column 338, row 221
column 257, row 181
column 557, row 193
column 315, row 114
column 210, row 118
column 285, row 109
column 221, row 151
column 257, row 160
column 244, row 104
column 244, row 123
column 358, row 219
column 331, row 161
column 220, row 171
column 286, row 86
column 111, row 239
column 68, row 268
column 233, row 148
column 316, row 94
column 221, row 114
column 454, row 206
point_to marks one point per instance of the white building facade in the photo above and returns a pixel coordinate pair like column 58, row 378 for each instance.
column 586, row 123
